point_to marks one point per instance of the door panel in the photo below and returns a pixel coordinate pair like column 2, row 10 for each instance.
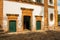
column 12, row 26
column 27, row 22
column 38, row 25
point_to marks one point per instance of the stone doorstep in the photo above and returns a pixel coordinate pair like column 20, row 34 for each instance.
column 24, row 32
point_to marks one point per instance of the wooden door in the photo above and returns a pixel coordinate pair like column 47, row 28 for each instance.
column 38, row 25
column 12, row 26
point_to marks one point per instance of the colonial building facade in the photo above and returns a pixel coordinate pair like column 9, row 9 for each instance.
column 32, row 15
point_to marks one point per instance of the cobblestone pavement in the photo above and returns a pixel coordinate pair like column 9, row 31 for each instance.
column 48, row 35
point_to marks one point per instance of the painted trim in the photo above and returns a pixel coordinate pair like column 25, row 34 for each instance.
column 26, row 12
column 39, row 18
column 12, row 17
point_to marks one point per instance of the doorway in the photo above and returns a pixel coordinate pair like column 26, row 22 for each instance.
column 12, row 26
column 26, row 23
column 38, row 25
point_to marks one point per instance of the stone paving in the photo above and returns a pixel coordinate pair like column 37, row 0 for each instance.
column 47, row 35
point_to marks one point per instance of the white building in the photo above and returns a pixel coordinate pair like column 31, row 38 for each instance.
column 32, row 15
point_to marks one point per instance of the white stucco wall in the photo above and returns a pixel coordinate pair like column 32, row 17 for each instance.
column 50, row 10
column 15, row 8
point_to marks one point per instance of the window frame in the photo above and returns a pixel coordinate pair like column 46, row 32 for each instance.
column 51, row 1
column 38, row 1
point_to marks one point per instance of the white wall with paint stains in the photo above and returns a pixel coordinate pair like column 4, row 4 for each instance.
column 10, row 7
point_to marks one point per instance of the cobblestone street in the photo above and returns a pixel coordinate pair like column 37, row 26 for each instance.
column 48, row 35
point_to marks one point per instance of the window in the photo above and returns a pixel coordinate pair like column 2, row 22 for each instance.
column 51, row 1
column 51, row 16
column 39, row 1
column 58, row 20
column 29, row 0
